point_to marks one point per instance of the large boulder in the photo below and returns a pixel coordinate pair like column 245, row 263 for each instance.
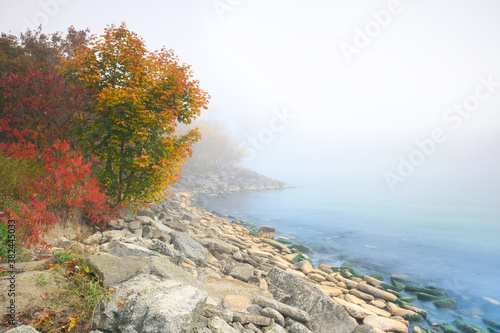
column 327, row 316
column 113, row 270
column 146, row 212
column 123, row 250
column 152, row 304
column 191, row 248
column 220, row 288
column 241, row 272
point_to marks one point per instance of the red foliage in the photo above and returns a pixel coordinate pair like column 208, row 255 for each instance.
column 64, row 184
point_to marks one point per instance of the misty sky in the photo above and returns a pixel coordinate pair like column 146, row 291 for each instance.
column 336, row 90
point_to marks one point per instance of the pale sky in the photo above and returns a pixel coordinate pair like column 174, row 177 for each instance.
column 361, row 81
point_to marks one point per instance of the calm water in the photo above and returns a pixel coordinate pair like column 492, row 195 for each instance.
column 443, row 239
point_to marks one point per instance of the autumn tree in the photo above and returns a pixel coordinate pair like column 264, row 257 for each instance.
column 216, row 151
column 141, row 97
column 51, row 108
column 31, row 88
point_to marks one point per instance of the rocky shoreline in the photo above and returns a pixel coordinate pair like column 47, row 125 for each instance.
column 233, row 180
column 179, row 268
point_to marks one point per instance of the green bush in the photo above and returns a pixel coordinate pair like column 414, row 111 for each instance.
column 22, row 254
column 13, row 173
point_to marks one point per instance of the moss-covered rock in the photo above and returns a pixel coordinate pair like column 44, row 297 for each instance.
column 413, row 317
column 466, row 328
column 409, row 299
column 445, row 303
column 394, row 292
column 301, row 248
column 284, row 241
column 448, row 329
column 377, row 276
column 398, row 285
column 426, row 297
column 427, row 290
column 387, row 287
column 408, row 306
column 491, row 323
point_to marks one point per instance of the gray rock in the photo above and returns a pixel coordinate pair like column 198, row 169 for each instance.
column 284, row 309
column 273, row 314
column 175, row 225
column 277, row 328
column 220, row 246
column 252, row 328
column 203, row 330
column 299, row 328
column 211, row 311
column 192, row 249
column 127, row 214
column 147, row 232
column 146, row 212
column 116, row 224
column 121, row 249
column 326, row 315
column 22, row 329
column 168, row 250
column 237, row 326
column 247, row 318
column 93, row 239
column 107, row 236
column 218, row 325
column 191, row 218
column 254, row 309
column 138, row 232
column 161, row 231
column 152, row 303
column 363, row 329
column 145, row 220
column 241, row 272
column 238, row 256
column 134, row 225
column 165, row 268
column 112, row 270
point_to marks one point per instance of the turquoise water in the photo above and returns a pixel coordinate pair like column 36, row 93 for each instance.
column 445, row 239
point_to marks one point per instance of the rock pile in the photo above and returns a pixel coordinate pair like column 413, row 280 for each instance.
column 226, row 181
column 178, row 268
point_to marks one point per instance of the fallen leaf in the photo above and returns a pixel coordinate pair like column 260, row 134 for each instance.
column 47, row 294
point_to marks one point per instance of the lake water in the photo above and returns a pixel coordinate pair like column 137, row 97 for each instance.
column 445, row 239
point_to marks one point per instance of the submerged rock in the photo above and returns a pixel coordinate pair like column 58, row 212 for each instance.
column 468, row 328
column 446, row 303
